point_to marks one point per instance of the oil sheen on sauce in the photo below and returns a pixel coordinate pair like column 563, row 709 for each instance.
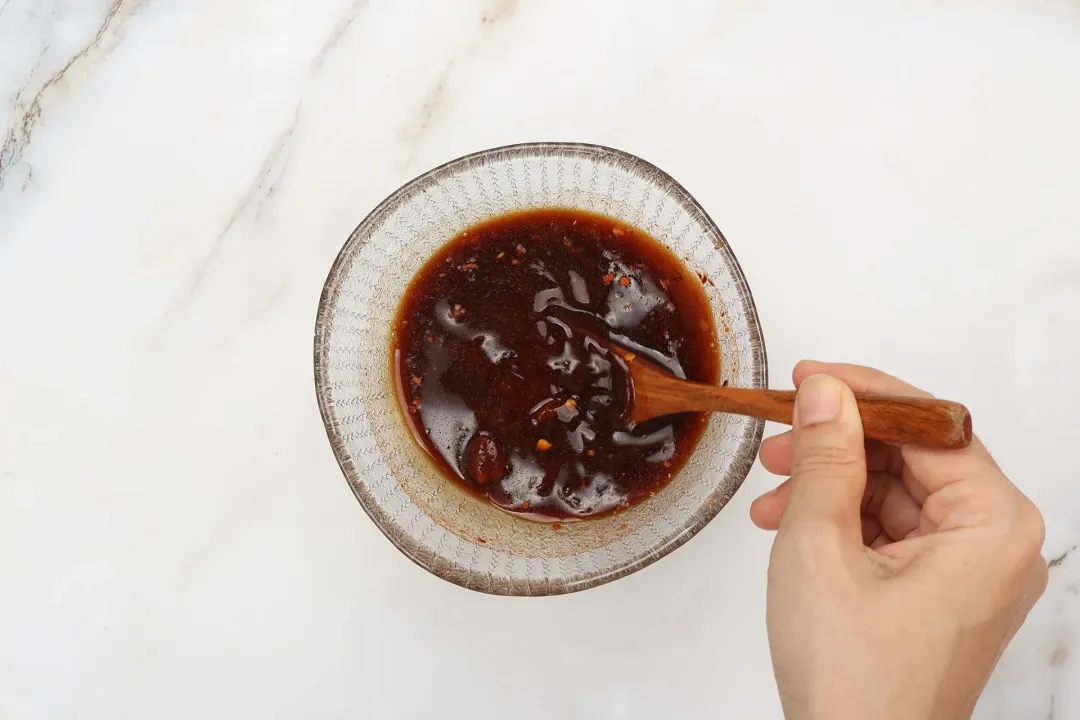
column 507, row 359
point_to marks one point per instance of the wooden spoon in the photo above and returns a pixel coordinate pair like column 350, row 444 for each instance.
column 927, row 422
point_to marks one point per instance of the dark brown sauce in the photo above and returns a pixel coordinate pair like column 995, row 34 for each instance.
column 506, row 374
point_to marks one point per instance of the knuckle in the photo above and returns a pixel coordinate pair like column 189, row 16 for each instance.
column 1042, row 576
column 959, row 504
column 824, row 459
column 1021, row 547
column 1031, row 528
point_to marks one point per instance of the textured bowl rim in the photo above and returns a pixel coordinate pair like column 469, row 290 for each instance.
column 449, row 571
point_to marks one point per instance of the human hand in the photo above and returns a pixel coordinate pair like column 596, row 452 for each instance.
column 898, row 574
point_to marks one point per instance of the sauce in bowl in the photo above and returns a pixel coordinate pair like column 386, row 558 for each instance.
column 507, row 359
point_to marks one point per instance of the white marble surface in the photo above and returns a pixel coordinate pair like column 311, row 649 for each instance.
column 900, row 181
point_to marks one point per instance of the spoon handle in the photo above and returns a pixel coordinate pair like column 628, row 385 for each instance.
column 927, row 422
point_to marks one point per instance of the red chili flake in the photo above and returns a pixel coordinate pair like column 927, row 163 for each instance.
column 624, row 281
column 525, row 505
column 667, row 464
column 663, row 284
column 416, row 402
column 468, row 266
column 556, row 526
column 543, row 445
column 617, row 232
column 628, row 356
column 608, row 278
column 622, row 526
column 416, row 380
column 591, row 452
column 521, row 249
column 514, row 261
column 704, row 276
column 481, row 540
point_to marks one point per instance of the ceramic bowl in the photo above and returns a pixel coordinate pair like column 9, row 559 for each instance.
column 441, row 527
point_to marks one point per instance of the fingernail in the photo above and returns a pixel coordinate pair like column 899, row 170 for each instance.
column 817, row 401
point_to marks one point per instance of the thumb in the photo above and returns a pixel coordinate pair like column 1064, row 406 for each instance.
column 828, row 466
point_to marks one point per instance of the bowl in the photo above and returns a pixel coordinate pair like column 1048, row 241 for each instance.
column 444, row 529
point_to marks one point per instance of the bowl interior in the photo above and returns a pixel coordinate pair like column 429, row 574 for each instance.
column 446, row 530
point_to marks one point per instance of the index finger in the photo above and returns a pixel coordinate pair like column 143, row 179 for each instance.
column 857, row 377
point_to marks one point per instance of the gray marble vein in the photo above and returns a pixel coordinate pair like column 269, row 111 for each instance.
column 340, row 29
column 1056, row 561
column 501, row 11
column 435, row 100
column 251, row 201
column 28, row 108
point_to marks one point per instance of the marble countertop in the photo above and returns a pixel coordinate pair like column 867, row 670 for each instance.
column 898, row 179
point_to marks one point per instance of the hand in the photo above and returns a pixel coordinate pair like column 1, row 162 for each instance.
column 898, row 574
